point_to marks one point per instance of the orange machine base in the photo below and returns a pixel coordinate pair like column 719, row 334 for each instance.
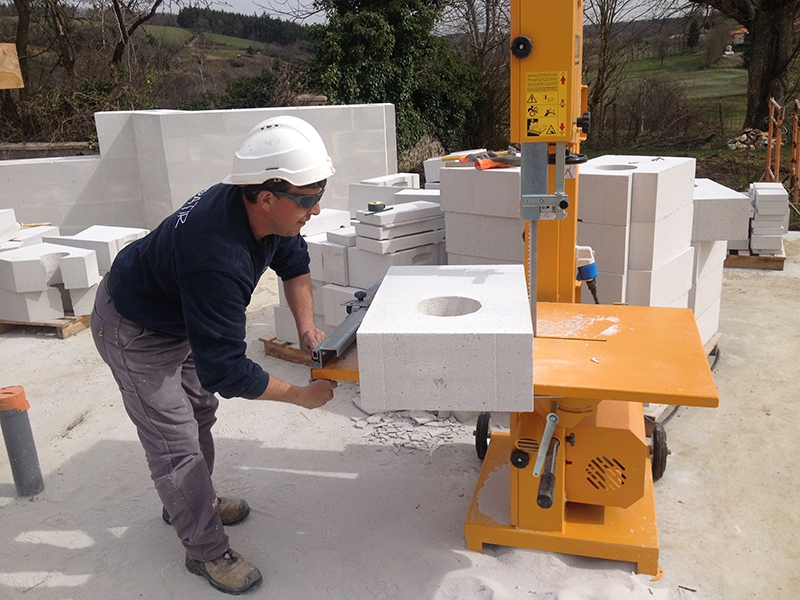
column 624, row 534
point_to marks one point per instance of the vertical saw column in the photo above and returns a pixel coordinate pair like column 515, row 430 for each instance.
column 547, row 108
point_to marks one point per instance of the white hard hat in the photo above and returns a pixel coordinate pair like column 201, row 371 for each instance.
column 285, row 148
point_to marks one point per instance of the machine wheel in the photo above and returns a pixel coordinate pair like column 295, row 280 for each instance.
column 483, row 434
column 659, row 451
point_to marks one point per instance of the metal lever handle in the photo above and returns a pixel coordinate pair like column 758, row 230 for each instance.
column 544, row 445
column 547, row 484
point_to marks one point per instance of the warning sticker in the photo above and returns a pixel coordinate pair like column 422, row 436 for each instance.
column 546, row 103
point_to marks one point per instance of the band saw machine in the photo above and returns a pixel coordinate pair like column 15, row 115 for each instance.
column 577, row 470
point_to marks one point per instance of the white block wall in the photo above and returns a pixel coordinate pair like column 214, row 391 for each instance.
column 663, row 286
column 448, row 338
column 151, row 162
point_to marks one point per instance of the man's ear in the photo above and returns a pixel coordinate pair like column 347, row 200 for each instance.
column 266, row 198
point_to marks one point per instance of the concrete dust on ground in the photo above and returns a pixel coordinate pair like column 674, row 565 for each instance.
column 342, row 511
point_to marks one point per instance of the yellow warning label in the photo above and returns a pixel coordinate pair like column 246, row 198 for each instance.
column 546, row 104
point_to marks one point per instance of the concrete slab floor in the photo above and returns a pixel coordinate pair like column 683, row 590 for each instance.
column 337, row 513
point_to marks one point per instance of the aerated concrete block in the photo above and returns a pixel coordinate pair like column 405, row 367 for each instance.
column 604, row 196
column 328, row 260
column 708, row 321
column 764, row 244
column 366, row 268
column 664, row 285
column 316, row 295
column 433, row 166
column 660, row 185
column 480, row 235
column 400, row 243
column 720, row 213
column 346, row 236
column 328, row 219
column 403, row 213
column 398, row 180
column 106, row 241
column 769, row 198
column 81, row 300
column 448, row 338
column 708, row 256
column 739, row 244
column 389, row 232
column 706, row 290
column 286, row 328
column 35, row 268
column 654, row 244
column 495, row 193
column 332, row 298
column 8, row 225
column 31, row 307
column 28, row 236
column 610, row 245
column 610, row 289
column 463, row 259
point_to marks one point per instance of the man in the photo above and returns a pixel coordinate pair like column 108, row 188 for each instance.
column 169, row 320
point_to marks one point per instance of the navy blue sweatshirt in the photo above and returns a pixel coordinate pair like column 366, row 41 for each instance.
column 193, row 277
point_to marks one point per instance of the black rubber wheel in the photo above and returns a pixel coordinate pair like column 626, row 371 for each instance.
column 483, row 434
column 659, row 451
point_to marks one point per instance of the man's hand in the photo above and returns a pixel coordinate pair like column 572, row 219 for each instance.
column 310, row 339
column 317, row 393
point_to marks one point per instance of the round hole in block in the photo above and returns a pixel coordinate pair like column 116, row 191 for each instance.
column 448, row 306
column 616, row 167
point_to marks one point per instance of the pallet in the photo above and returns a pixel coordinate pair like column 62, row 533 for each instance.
column 64, row 328
column 742, row 259
column 286, row 351
column 659, row 413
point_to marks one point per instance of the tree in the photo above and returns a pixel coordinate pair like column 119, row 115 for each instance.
column 693, row 36
column 773, row 48
column 375, row 51
column 614, row 29
column 479, row 30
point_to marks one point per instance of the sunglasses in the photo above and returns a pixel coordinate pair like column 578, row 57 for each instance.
column 305, row 200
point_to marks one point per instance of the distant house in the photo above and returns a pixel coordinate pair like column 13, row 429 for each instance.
column 738, row 36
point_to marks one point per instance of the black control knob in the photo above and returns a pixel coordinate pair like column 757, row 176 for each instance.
column 521, row 46
column 520, row 459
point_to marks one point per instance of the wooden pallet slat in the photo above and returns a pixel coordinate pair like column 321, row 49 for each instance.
column 743, row 259
column 286, row 351
column 64, row 328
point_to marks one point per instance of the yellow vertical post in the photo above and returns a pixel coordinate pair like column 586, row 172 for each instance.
column 546, row 104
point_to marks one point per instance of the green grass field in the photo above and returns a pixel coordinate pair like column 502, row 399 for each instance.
column 706, row 88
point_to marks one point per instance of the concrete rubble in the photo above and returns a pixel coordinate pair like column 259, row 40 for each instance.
column 410, row 430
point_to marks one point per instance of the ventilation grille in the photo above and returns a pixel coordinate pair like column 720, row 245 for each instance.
column 605, row 474
column 527, row 444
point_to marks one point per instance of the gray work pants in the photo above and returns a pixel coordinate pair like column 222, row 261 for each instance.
column 173, row 415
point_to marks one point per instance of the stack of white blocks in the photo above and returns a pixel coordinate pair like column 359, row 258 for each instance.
column 641, row 231
column 454, row 338
column 347, row 258
column 42, row 274
column 328, row 263
column 482, row 218
column 433, row 167
column 380, row 189
column 770, row 220
column 720, row 214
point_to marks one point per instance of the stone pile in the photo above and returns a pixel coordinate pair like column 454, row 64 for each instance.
column 749, row 139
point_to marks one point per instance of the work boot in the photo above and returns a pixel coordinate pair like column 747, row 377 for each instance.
column 229, row 573
column 231, row 511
